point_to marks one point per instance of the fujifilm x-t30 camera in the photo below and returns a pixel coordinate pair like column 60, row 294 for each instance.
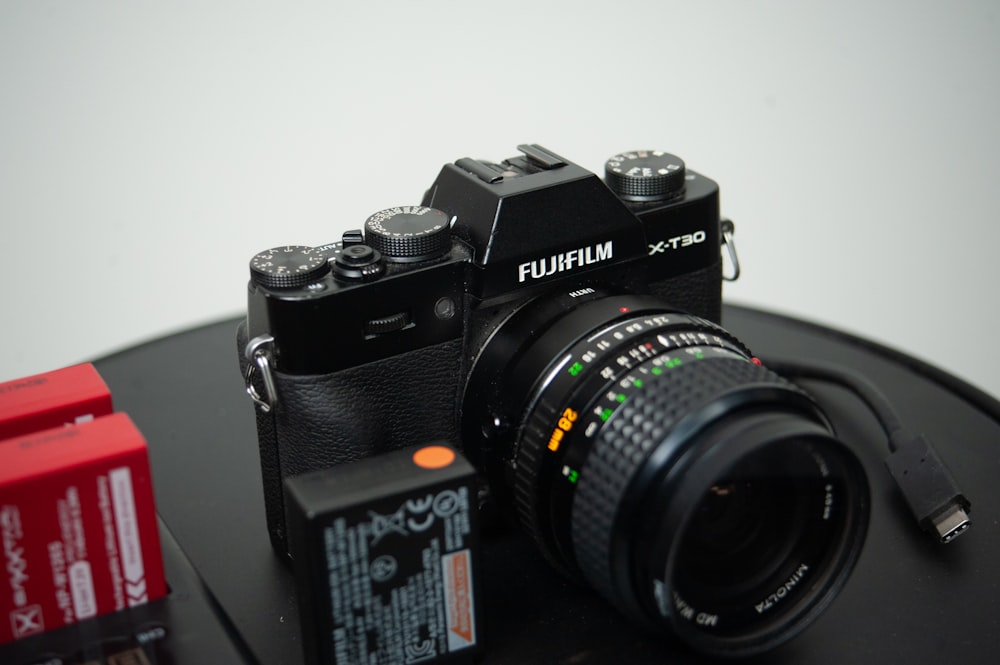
column 563, row 330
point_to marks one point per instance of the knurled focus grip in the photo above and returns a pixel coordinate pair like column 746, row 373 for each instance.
column 530, row 489
column 630, row 436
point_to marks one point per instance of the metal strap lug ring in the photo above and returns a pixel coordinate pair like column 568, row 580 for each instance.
column 258, row 353
column 728, row 229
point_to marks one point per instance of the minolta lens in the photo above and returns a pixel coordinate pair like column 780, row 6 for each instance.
column 649, row 454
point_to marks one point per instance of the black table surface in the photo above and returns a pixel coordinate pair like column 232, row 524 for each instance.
column 910, row 600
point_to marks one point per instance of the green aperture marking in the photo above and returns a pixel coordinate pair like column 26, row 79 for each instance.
column 572, row 475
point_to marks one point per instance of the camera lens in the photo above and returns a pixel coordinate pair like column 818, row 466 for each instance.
column 650, row 455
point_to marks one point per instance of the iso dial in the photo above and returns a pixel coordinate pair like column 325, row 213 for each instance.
column 409, row 233
column 645, row 175
column 288, row 267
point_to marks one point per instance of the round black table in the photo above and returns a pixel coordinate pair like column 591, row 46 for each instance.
column 910, row 600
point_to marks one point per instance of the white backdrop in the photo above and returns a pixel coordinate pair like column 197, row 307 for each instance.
column 147, row 151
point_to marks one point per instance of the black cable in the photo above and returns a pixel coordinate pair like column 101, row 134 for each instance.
column 921, row 475
column 853, row 381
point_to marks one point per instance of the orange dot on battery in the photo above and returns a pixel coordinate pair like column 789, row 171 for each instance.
column 433, row 457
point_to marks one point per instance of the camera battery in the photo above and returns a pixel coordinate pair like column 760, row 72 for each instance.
column 78, row 530
column 385, row 554
column 66, row 396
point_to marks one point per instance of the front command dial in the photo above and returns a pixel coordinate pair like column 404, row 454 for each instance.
column 409, row 233
column 645, row 175
column 288, row 267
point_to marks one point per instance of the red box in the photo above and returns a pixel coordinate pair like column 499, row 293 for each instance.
column 78, row 529
column 65, row 396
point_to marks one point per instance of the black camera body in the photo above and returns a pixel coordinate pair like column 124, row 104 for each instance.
column 563, row 330
column 366, row 345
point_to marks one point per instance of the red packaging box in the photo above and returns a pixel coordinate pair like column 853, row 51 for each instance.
column 78, row 529
column 67, row 396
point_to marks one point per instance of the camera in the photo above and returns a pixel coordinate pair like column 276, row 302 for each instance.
column 563, row 330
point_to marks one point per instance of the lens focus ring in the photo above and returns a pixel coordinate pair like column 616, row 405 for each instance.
column 629, row 437
column 592, row 368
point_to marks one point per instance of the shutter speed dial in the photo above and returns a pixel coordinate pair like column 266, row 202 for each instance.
column 288, row 267
column 409, row 233
column 645, row 175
